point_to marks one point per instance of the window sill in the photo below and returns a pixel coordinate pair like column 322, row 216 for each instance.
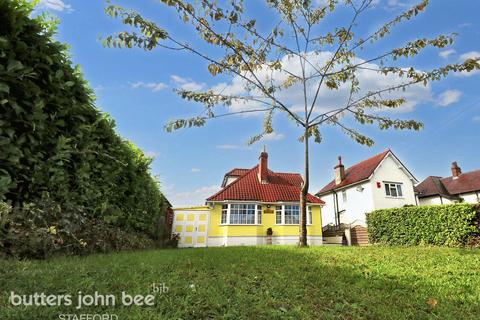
column 390, row 197
column 291, row 224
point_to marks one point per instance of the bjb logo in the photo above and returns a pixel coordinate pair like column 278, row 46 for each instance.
column 159, row 288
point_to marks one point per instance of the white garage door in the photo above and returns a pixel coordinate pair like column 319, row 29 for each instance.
column 192, row 227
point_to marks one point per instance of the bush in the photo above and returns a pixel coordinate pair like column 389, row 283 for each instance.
column 42, row 230
column 61, row 161
column 441, row 225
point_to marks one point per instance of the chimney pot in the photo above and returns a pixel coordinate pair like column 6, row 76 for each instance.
column 456, row 171
column 263, row 167
column 339, row 171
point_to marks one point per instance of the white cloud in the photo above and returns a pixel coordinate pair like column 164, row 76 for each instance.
column 191, row 198
column 470, row 55
column 57, row 5
column 227, row 146
column 448, row 97
column 465, row 25
column 195, row 170
column 446, row 53
column 465, row 56
column 476, row 119
column 327, row 99
column 187, row 84
column 154, row 86
column 273, row 136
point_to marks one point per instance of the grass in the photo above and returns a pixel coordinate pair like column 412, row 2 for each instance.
column 260, row 283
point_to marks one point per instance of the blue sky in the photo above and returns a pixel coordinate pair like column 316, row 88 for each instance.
column 136, row 89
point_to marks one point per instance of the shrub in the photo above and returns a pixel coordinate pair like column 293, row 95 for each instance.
column 442, row 225
column 61, row 161
column 45, row 229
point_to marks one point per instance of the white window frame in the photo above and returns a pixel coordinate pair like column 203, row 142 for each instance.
column 397, row 186
column 344, row 196
column 227, row 210
column 282, row 210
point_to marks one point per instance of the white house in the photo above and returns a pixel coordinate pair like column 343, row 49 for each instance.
column 460, row 187
column 379, row 182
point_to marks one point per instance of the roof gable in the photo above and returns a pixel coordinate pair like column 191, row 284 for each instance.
column 281, row 187
column 356, row 173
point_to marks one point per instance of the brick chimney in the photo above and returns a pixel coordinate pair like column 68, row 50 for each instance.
column 339, row 171
column 456, row 171
column 263, row 167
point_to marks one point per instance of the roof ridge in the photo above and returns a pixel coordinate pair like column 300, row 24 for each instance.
column 372, row 157
column 462, row 174
column 229, row 172
column 234, row 182
column 292, row 173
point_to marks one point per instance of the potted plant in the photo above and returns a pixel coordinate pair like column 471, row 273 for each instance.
column 269, row 235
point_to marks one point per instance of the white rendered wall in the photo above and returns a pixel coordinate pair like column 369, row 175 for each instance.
column 467, row 197
column 471, row 197
column 358, row 201
column 389, row 171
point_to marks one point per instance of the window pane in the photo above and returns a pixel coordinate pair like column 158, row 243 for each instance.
column 224, row 217
column 393, row 190
column 292, row 214
column 309, row 216
column 344, row 196
column 278, row 213
column 259, row 214
column 399, row 189
column 296, row 214
column 242, row 213
column 387, row 189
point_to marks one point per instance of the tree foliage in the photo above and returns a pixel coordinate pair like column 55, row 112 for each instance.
column 259, row 58
column 54, row 143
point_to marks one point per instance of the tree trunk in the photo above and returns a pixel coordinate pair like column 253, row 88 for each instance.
column 303, row 197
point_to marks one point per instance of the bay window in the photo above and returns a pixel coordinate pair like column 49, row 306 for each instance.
column 290, row 214
column 239, row 213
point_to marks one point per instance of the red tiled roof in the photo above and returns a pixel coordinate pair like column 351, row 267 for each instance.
column 448, row 187
column 280, row 187
column 237, row 172
column 356, row 173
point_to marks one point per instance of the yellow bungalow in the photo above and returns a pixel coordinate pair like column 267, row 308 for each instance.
column 250, row 202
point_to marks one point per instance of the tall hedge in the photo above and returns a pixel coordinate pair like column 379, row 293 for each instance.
column 55, row 145
column 442, row 225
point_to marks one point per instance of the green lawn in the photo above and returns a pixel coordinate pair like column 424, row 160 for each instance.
column 260, row 283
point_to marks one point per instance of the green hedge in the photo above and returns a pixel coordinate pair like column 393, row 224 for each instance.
column 442, row 225
column 57, row 147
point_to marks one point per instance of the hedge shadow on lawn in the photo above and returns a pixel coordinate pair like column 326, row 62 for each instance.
column 244, row 283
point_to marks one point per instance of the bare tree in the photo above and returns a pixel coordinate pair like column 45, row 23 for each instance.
column 260, row 60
